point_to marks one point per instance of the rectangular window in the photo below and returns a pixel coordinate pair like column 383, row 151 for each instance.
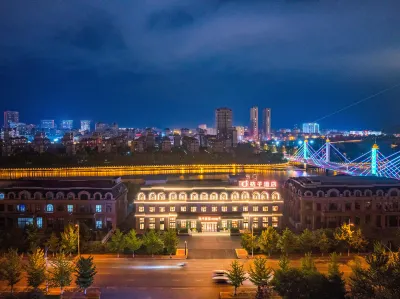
column 99, row 224
column 141, row 221
column 234, row 209
column 204, row 209
column 162, row 226
column 23, row 222
column 172, row 223
column 274, row 219
column 152, row 220
column 152, row 209
column 70, row 208
column 152, row 225
column 37, row 207
column 255, row 219
column 21, row 208
column 141, row 209
column 39, row 222
column 193, row 209
column 224, row 209
column 214, row 209
column 255, row 225
column 183, row 224
column 183, row 209
column 98, row 208
column 265, row 209
column 108, row 208
column 172, row 209
column 161, row 209
column 193, row 224
column 255, row 209
column 245, row 209
column 274, row 224
column 275, row 208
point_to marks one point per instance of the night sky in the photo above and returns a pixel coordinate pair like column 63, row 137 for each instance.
column 170, row 63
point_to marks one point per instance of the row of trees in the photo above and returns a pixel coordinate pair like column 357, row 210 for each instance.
column 322, row 240
column 55, row 273
column 154, row 242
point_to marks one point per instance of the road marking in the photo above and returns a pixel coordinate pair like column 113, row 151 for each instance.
column 199, row 279
column 130, row 280
column 175, row 279
column 181, row 288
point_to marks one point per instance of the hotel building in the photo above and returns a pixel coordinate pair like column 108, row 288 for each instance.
column 53, row 203
column 208, row 205
column 327, row 202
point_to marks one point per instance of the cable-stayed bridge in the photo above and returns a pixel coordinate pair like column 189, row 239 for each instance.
column 372, row 163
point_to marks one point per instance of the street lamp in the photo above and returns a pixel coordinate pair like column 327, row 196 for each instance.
column 79, row 252
column 252, row 240
column 185, row 249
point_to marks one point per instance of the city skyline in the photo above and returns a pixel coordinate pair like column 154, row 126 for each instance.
column 107, row 62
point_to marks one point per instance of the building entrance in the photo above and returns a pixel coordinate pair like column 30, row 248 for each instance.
column 209, row 226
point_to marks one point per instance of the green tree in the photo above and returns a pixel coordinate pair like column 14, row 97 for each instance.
column 236, row 275
column 290, row 283
column 117, row 242
column 132, row 242
column 32, row 237
column 306, row 241
column 260, row 276
column 345, row 234
column 153, row 242
column 358, row 242
column 308, row 264
column 61, row 271
column 85, row 272
column 268, row 240
column 53, row 243
column 11, row 268
column 324, row 243
column 36, row 269
column 248, row 241
column 337, row 288
column 170, row 241
column 287, row 242
column 69, row 239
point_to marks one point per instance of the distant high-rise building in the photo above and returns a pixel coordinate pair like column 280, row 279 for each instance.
column 67, row 124
column 85, row 125
column 223, row 121
column 47, row 124
column 311, row 128
column 185, row 132
column 266, row 123
column 10, row 117
column 254, row 122
column 101, row 127
column 203, row 126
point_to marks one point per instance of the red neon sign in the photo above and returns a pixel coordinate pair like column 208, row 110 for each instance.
column 257, row 184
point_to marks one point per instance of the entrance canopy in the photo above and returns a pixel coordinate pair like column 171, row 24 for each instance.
column 209, row 217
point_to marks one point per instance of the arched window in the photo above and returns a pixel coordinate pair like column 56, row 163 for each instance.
column 223, row 196
column 97, row 196
column 308, row 194
column 264, row 195
column 152, row 196
column 173, row 196
column 49, row 208
column 141, row 196
column 24, row 195
column 83, row 196
column 256, row 195
column 11, row 195
column 60, row 195
column 235, row 196
column 71, row 196
column 368, row 193
column 276, row 196
column 204, row 196
column 379, row 193
column 109, row 196
column 182, row 196
column 37, row 196
column 161, row 196
column 245, row 195
column 320, row 194
column 214, row 196
column 49, row 195
column 333, row 193
column 346, row 193
column 357, row 193
column 194, row 196
column 393, row 193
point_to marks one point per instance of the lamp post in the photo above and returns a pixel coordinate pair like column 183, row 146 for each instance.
column 79, row 252
column 252, row 240
column 185, row 249
column 46, row 259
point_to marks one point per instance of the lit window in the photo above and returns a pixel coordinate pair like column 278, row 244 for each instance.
column 172, row 209
column 98, row 209
column 152, row 209
column 172, row 223
column 255, row 209
column 204, row 209
column 214, row 209
column 274, row 219
column 141, row 221
column 275, row 208
column 21, row 208
column 141, row 209
column 183, row 224
column 39, row 222
column 70, row 208
column 255, row 225
column 162, row 209
column 99, row 224
column 152, row 220
column 183, row 209
column 265, row 209
column 245, row 209
column 265, row 224
column 255, row 219
column 49, row 208
column 234, row 209
column 224, row 209
column 265, row 219
column 193, row 209
column 152, row 225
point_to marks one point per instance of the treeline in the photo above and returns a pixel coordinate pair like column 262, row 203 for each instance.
column 270, row 241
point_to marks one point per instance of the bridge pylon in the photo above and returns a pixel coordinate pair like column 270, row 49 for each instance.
column 374, row 159
column 328, row 150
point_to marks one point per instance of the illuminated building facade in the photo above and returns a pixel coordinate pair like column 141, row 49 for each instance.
column 266, row 123
column 311, row 128
column 67, row 124
column 10, row 117
column 223, row 122
column 254, row 123
column 327, row 202
column 85, row 125
column 208, row 206
column 47, row 124
column 53, row 203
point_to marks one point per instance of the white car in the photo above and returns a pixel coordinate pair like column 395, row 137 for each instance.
column 220, row 273
column 221, row 279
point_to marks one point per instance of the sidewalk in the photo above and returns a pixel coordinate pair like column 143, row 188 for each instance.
column 179, row 255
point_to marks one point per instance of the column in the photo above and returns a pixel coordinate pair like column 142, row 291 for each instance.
column 328, row 150
column 305, row 152
column 374, row 159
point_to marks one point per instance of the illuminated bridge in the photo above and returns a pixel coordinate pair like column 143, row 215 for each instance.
column 15, row 173
column 372, row 163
